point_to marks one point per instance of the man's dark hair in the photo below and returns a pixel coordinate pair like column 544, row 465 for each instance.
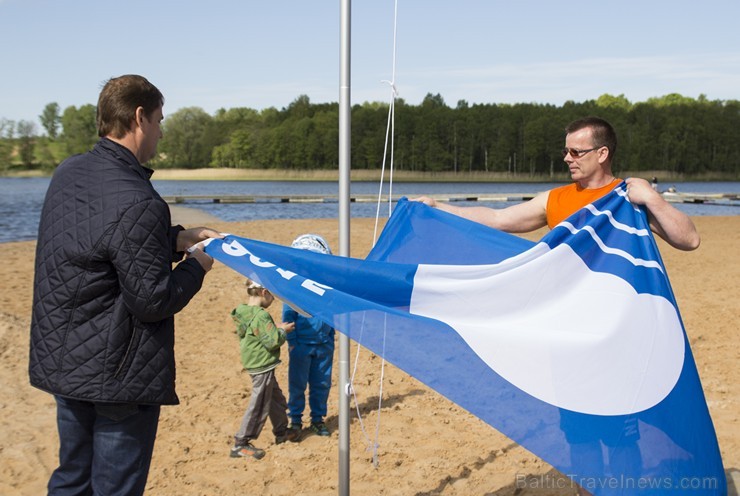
column 119, row 100
column 602, row 132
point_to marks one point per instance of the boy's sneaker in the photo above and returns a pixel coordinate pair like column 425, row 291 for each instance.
column 319, row 428
column 292, row 434
column 249, row 450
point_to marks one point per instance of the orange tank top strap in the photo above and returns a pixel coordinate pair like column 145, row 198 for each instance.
column 563, row 201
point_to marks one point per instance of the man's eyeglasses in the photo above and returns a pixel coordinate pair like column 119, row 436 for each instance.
column 575, row 153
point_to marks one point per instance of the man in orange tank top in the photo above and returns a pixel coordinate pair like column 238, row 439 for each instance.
column 590, row 144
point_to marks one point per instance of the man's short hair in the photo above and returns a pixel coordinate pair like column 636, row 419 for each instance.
column 120, row 98
column 602, row 132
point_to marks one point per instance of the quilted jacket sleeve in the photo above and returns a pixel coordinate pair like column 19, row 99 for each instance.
column 142, row 252
column 174, row 231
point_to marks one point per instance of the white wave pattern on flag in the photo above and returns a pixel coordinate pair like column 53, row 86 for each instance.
column 611, row 251
column 543, row 337
column 622, row 227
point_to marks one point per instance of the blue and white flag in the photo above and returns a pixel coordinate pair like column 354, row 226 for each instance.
column 572, row 346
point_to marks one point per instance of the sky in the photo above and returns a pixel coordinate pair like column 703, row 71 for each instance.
column 244, row 53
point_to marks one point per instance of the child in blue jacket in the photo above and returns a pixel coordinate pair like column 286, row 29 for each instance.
column 311, row 351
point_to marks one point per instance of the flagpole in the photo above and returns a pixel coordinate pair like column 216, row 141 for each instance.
column 344, row 215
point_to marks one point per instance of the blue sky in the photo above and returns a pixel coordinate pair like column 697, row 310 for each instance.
column 243, row 53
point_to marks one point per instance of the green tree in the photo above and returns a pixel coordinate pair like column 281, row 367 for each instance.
column 670, row 99
column 299, row 108
column 79, row 129
column 236, row 133
column 369, row 125
column 51, row 120
column 237, row 152
column 609, row 101
column 7, row 131
column 498, row 138
column 45, row 153
column 435, row 134
column 26, row 131
column 183, row 143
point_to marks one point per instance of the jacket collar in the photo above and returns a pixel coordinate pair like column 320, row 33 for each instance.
column 123, row 154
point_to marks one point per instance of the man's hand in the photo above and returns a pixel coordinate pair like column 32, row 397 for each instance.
column 430, row 202
column 640, row 192
column 189, row 237
column 203, row 258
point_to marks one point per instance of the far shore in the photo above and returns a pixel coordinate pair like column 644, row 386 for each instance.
column 357, row 175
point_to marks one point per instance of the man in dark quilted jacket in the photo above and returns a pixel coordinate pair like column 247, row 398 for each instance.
column 111, row 273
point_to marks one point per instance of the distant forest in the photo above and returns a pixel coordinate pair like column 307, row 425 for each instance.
column 681, row 135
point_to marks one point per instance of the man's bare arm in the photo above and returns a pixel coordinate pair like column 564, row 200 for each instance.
column 674, row 226
column 519, row 218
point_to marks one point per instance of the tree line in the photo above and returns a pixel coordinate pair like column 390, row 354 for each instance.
column 674, row 133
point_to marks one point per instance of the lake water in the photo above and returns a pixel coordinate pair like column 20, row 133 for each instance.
column 21, row 199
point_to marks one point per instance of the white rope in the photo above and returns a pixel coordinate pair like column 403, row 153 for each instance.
column 373, row 445
column 390, row 130
column 389, row 133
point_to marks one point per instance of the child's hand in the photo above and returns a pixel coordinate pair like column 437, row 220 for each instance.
column 287, row 326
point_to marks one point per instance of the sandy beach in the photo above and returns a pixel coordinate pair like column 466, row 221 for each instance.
column 427, row 445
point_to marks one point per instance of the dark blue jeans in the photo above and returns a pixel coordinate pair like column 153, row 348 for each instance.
column 309, row 367
column 103, row 448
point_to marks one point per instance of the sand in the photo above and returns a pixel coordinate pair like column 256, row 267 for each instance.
column 427, row 445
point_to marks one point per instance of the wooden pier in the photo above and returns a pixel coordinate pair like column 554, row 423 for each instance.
column 730, row 199
column 485, row 197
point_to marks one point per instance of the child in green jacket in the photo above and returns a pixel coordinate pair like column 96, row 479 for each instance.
column 259, row 341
